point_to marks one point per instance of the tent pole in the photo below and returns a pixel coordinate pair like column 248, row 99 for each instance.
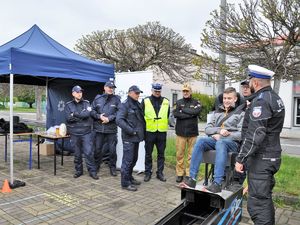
column 11, row 124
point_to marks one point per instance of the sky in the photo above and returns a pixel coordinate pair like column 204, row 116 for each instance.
column 68, row 20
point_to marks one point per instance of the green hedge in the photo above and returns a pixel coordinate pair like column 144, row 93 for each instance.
column 207, row 103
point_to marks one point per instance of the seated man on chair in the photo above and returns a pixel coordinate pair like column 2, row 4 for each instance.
column 223, row 135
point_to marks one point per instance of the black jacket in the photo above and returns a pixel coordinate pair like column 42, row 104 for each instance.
column 186, row 112
column 131, row 120
column 109, row 105
column 265, row 122
column 78, row 117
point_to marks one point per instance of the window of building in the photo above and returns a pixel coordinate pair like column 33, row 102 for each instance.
column 297, row 112
column 207, row 78
column 174, row 98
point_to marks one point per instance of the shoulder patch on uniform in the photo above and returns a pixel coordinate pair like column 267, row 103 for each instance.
column 261, row 95
column 256, row 112
column 280, row 103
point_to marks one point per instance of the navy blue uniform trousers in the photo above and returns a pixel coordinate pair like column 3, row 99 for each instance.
column 130, row 156
column 82, row 144
column 159, row 139
column 111, row 140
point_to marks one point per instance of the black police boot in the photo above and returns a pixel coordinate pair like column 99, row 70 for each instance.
column 94, row 176
column 77, row 174
column 113, row 172
column 135, row 182
column 147, row 177
column 179, row 179
column 161, row 177
column 130, row 187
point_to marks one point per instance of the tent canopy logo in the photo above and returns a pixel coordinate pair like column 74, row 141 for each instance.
column 61, row 106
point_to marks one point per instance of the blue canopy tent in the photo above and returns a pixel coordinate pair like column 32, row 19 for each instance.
column 37, row 59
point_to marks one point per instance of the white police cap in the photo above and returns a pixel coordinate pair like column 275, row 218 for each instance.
column 260, row 72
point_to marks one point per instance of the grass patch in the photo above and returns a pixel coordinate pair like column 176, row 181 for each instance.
column 287, row 178
column 20, row 109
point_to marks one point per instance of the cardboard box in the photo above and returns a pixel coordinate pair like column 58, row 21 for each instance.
column 47, row 149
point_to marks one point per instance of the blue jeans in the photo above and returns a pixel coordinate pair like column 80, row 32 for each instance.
column 222, row 147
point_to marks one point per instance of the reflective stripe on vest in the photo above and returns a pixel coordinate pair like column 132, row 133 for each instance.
column 159, row 123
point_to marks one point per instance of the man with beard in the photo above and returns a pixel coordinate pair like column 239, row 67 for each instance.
column 261, row 148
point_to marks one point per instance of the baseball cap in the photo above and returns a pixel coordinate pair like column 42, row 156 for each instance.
column 186, row 87
column 110, row 84
column 77, row 89
column 135, row 88
column 245, row 82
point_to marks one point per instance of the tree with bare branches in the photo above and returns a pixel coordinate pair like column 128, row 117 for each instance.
column 262, row 32
column 139, row 48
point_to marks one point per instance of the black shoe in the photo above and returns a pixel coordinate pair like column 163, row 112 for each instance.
column 94, row 176
column 215, row 188
column 179, row 179
column 190, row 182
column 135, row 182
column 113, row 172
column 161, row 177
column 77, row 174
column 147, row 177
column 130, row 188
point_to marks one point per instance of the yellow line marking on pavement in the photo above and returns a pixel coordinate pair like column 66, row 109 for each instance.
column 65, row 199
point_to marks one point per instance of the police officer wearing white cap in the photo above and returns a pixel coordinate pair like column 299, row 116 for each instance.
column 79, row 126
column 156, row 112
column 261, row 148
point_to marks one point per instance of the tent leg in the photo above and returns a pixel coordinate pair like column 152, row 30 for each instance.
column 13, row 183
column 11, row 125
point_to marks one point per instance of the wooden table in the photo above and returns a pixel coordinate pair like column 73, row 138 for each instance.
column 54, row 138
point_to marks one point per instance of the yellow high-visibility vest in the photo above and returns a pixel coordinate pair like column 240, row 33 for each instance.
column 159, row 123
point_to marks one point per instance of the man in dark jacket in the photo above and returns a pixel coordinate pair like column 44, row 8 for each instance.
column 186, row 112
column 261, row 148
column 104, row 111
column 131, row 120
column 156, row 113
column 79, row 126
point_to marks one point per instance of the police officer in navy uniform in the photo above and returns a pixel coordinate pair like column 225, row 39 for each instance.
column 261, row 145
column 104, row 111
column 79, row 125
column 156, row 112
column 131, row 120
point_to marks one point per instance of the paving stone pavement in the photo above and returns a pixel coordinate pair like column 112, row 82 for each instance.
column 61, row 199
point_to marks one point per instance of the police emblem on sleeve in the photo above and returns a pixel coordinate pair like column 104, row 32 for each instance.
column 256, row 111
